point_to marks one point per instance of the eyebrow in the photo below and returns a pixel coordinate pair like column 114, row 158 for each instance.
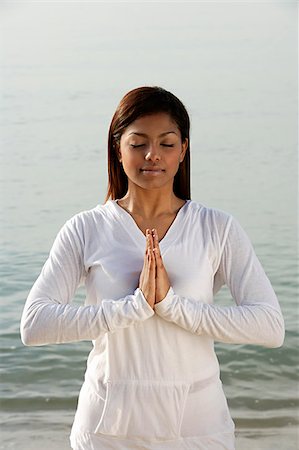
column 145, row 135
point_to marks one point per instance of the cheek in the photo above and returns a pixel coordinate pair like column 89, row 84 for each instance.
column 130, row 160
column 174, row 160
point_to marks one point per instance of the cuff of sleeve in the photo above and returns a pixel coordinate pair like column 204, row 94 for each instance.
column 125, row 312
column 147, row 309
column 164, row 304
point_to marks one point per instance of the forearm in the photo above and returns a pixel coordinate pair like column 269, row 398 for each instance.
column 45, row 321
column 253, row 323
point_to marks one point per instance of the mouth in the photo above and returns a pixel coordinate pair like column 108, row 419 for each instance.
column 152, row 170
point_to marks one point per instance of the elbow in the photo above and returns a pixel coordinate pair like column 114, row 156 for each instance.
column 31, row 333
column 34, row 322
column 278, row 340
column 26, row 329
column 28, row 337
column 277, row 335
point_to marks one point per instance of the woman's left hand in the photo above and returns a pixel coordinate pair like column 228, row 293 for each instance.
column 162, row 280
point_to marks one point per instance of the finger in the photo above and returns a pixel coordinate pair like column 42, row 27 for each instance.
column 156, row 249
column 149, row 247
column 151, row 263
column 152, row 268
column 147, row 241
column 151, row 256
column 154, row 234
column 151, row 241
column 149, row 238
column 158, row 260
column 147, row 255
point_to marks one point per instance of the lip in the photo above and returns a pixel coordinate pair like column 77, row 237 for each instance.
column 152, row 169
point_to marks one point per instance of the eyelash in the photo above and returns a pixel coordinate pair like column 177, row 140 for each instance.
column 142, row 145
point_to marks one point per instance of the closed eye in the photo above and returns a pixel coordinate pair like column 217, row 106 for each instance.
column 137, row 146
column 167, row 145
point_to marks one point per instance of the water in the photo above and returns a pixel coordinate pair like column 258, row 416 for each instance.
column 64, row 69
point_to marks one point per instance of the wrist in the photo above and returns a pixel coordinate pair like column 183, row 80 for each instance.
column 161, row 296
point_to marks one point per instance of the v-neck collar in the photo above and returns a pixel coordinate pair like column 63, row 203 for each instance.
column 133, row 229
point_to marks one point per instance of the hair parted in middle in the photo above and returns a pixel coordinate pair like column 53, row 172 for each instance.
column 137, row 103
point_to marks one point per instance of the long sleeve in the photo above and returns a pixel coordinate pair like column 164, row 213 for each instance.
column 48, row 317
column 255, row 318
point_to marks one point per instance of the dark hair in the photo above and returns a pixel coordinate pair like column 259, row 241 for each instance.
column 140, row 102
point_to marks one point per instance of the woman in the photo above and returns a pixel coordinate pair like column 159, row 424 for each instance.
column 151, row 260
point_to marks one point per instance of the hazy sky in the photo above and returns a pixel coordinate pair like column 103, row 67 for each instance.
column 65, row 66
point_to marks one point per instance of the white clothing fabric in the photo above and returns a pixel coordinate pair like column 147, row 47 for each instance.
column 152, row 379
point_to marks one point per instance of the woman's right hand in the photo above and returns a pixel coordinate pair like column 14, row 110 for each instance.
column 147, row 283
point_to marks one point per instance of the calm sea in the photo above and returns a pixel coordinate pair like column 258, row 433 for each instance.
column 64, row 67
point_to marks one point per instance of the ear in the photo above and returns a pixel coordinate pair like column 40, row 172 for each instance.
column 184, row 149
column 118, row 152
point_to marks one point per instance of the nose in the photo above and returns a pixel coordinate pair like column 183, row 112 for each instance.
column 152, row 154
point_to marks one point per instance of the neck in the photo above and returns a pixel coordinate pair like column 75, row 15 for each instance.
column 150, row 203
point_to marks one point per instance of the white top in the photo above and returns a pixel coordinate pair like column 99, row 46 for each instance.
column 152, row 377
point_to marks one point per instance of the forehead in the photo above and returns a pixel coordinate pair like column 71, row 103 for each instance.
column 152, row 124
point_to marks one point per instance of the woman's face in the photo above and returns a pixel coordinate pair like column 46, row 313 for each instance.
column 151, row 150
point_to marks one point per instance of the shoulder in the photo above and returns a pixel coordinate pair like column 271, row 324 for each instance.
column 87, row 221
column 212, row 224
column 220, row 226
column 93, row 215
column 209, row 216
